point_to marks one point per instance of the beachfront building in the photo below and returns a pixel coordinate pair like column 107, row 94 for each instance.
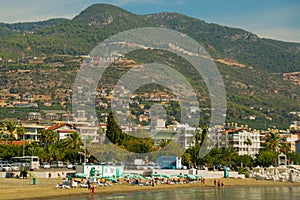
column 100, row 170
column 79, row 123
column 244, row 140
column 63, row 130
column 185, row 135
column 32, row 131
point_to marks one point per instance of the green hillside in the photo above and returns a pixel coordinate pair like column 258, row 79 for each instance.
column 254, row 82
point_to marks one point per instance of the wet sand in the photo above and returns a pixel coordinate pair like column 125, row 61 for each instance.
column 46, row 188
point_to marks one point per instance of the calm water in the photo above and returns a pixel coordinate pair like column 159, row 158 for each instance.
column 245, row 193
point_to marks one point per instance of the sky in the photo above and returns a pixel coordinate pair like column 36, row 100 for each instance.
column 275, row 19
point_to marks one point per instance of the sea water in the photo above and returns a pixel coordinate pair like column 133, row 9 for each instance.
column 230, row 193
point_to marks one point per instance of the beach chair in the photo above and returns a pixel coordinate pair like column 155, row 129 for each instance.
column 74, row 184
column 83, row 185
column 66, row 187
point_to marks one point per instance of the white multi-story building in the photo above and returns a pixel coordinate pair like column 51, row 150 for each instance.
column 32, row 131
column 245, row 141
column 185, row 135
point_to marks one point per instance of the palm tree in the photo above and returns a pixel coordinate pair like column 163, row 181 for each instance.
column 2, row 130
column 198, row 137
column 14, row 129
column 204, row 134
column 51, row 153
column 273, row 141
column 48, row 137
column 73, row 145
column 248, row 142
column 229, row 154
column 74, row 141
column 32, row 148
column 164, row 143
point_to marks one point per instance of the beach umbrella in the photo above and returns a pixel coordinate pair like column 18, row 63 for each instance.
column 174, row 175
column 156, row 175
column 138, row 176
column 96, row 176
column 181, row 176
column 111, row 179
column 191, row 177
column 80, row 175
column 165, row 176
column 148, row 178
column 197, row 176
column 125, row 174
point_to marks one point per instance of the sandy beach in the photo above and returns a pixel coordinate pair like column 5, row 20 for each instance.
column 46, row 188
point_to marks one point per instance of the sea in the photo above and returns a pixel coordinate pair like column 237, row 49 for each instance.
column 230, row 193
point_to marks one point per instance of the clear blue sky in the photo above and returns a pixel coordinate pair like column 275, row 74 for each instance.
column 277, row 19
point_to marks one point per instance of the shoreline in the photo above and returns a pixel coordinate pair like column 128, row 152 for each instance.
column 49, row 190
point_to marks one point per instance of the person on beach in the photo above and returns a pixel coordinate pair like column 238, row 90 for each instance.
column 93, row 188
column 222, row 184
column 215, row 182
column 89, row 184
column 219, row 184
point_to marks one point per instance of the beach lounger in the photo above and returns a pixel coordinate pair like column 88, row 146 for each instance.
column 66, row 187
column 74, row 184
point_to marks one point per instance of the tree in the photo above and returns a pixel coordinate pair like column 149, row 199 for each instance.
column 201, row 135
column 273, row 141
column 32, row 149
column 186, row 159
column 14, row 130
column 228, row 155
column 113, row 132
column 139, row 145
column 48, row 137
column 2, row 130
column 204, row 134
column 198, row 137
column 73, row 141
column 74, row 144
column 294, row 158
column 164, row 143
column 245, row 160
column 194, row 153
column 266, row 158
column 248, row 142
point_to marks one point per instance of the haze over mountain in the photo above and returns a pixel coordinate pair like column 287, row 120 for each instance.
column 257, row 72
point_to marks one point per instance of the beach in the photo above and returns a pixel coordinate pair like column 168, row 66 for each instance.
column 46, row 188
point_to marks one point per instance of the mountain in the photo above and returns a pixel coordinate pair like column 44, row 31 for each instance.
column 9, row 29
column 254, row 69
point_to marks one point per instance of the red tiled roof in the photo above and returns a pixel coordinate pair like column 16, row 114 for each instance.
column 66, row 131
column 57, row 126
